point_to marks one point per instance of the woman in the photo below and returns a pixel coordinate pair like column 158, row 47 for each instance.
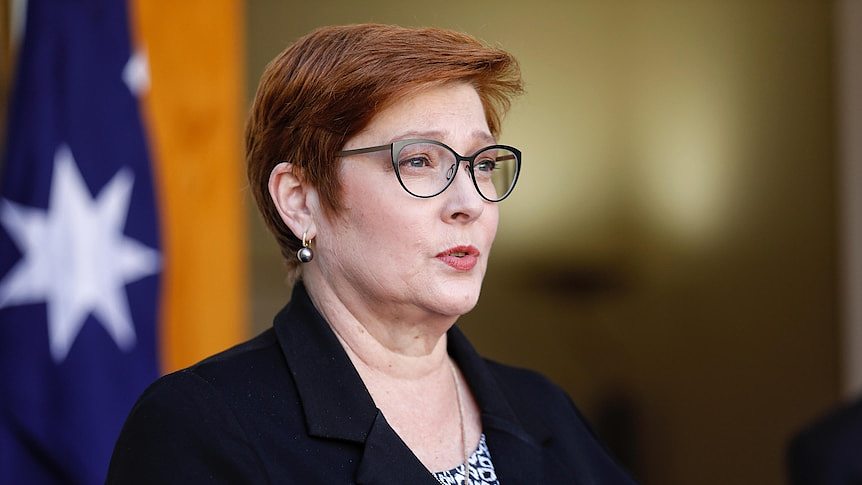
column 372, row 155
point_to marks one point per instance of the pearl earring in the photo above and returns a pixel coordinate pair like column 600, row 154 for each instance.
column 305, row 254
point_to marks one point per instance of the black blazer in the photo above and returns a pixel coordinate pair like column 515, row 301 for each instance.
column 289, row 407
column 829, row 452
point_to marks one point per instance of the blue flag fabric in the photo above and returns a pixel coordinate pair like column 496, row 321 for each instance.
column 79, row 258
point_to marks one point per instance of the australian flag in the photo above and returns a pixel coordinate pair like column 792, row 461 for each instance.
column 79, row 245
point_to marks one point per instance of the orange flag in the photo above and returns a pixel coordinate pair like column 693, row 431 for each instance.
column 194, row 118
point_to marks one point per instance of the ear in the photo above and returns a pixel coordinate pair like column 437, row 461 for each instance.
column 291, row 199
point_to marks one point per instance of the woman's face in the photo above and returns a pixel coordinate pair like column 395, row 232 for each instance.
column 399, row 254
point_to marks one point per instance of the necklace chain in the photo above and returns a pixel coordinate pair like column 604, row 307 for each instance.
column 467, row 479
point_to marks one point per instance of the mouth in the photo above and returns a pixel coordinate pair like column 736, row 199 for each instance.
column 461, row 258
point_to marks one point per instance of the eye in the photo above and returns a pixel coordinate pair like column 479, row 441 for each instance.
column 488, row 164
column 418, row 161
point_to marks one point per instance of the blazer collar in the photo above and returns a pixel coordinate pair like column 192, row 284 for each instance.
column 334, row 399
column 516, row 452
column 337, row 405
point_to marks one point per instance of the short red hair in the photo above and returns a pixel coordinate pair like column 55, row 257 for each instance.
column 328, row 85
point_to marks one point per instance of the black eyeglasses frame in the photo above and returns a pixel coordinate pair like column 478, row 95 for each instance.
column 396, row 147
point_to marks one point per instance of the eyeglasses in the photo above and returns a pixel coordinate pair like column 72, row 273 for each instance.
column 425, row 168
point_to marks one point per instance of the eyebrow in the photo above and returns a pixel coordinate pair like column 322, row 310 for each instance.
column 480, row 135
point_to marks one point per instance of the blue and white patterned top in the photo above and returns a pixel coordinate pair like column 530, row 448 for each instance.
column 481, row 469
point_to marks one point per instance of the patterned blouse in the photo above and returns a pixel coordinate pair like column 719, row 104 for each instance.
column 481, row 469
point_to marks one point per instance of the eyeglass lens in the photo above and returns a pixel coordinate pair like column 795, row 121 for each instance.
column 425, row 169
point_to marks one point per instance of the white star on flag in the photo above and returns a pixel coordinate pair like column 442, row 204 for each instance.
column 76, row 257
column 136, row 73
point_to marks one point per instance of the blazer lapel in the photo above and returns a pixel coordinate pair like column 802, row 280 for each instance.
column 516, row 459
column 337, row 405
column 335, row 401
column 387, row 460
column 515, row 452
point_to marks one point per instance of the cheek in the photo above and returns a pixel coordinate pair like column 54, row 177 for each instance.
column 491, row 220
column 403, row 233
column 380, row 222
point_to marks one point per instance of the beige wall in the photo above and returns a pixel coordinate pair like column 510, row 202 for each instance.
column 671, row 247
column 849, row 105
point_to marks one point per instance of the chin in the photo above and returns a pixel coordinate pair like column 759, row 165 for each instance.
column 458, row 298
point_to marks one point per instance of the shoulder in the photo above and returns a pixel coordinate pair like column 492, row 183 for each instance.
column 257, row 357
column 547, row 412
column 528, row 391
column 191, row 424
column 218, row 374
column 539, row 404
column 526, row 382
column 228, row 377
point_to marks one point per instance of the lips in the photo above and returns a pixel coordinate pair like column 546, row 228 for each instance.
column 461, row 258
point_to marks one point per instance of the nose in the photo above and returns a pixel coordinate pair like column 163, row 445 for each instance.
column 463, row 202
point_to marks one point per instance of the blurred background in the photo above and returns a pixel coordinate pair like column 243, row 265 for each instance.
column 683, row 253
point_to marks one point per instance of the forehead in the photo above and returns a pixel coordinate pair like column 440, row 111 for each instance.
column 451, row 113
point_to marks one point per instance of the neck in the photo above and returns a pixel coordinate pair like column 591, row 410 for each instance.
column 396, row 344
column 402, row 360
